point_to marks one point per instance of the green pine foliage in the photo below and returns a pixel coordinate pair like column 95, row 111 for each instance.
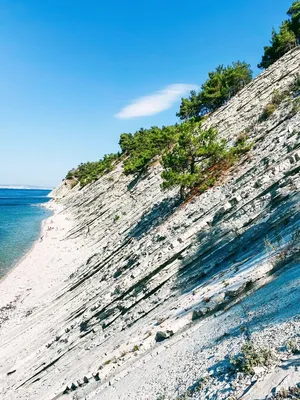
column 294, row 21
column 140, row 148
column 221, row 85
column 284, row 40
column 70, row 175
column 190, row 107
column 198, row 158
column 89, row 172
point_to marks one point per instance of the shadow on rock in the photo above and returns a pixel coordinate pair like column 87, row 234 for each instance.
column 155, row 217
column 222, row 251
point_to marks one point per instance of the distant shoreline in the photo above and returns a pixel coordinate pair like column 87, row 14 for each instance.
column 25, row 187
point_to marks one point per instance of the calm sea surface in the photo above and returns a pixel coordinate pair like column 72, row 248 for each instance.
column 20, row 223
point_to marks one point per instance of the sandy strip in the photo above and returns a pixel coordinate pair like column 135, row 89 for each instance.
column 49, row 206
column 41, row 272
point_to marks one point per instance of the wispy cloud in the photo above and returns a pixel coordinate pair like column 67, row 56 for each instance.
column 156, row 102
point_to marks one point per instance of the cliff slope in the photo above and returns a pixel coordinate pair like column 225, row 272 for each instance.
column 159, row 294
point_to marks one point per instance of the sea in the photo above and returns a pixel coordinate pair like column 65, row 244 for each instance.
column 21, row 216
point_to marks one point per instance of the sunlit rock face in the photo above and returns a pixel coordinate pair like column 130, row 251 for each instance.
column 163, row 292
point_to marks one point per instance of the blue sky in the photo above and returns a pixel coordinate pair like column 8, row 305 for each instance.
column 74, row 74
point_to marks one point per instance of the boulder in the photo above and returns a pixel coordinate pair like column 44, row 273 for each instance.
column 161, row 336
column 198, row 314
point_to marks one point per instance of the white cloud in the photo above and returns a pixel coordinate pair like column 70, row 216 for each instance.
column 156, row 102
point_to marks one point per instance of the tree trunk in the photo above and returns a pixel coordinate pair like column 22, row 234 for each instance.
column 192, row 165
column 182, row 193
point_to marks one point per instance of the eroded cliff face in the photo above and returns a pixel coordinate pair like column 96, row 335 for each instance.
column 166, row 291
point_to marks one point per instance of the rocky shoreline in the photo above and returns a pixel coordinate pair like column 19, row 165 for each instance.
column 24, row 288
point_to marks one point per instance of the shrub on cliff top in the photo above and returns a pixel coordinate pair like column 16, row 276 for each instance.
column 221, row 85
column 141, row 147
column 284, row 40
column 90, row 171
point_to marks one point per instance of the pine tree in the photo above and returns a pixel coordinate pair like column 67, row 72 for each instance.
column 294, row 14
column 195, row 151
column 284, row 40
column 221, row 85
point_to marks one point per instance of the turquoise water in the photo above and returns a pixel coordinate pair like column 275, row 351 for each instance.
column 20, row 223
